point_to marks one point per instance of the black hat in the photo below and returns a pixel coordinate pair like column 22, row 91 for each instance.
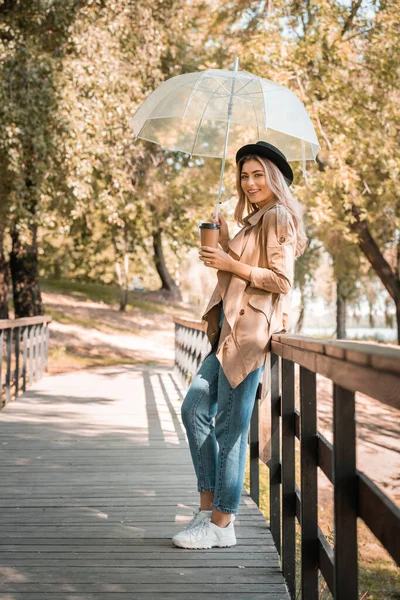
column 268, row 151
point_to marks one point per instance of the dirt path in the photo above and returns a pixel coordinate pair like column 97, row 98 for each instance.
column 90, row 334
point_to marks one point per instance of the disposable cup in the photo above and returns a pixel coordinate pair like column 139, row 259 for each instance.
column 209, row 234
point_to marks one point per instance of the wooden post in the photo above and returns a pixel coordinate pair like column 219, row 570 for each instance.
column 24, row 355
column 31, row 334
column 1, row 366
column 309, row 485
column 288, row 477
column 17, row 339
column 8, row 371
column 275, row 460
column 254, row 452
column 37, row 352
column 47, row 334
column 345, row 495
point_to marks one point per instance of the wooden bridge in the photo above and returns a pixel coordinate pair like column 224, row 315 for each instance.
column 96, row 477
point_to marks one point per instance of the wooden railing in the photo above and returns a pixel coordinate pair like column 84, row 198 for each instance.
column 24, row 347
column 373, row 369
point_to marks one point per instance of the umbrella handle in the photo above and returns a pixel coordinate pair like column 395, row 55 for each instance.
column 228, row 125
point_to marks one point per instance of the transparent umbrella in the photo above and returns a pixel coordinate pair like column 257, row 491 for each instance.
column 213, row 113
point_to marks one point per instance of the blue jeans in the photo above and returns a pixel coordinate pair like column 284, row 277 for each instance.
column 219, row 453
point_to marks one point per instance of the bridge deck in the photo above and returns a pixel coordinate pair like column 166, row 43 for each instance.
column 96, row 477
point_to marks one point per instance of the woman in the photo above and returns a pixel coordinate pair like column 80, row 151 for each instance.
column 249, row 304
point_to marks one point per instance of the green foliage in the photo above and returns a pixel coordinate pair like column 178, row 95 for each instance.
column 73, row 73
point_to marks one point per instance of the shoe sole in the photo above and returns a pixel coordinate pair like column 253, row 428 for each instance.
column 204, row 547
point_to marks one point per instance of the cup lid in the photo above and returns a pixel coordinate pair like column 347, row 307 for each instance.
column 208, row 226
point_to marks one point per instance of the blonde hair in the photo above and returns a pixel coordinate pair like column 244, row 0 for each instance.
column 277, row 184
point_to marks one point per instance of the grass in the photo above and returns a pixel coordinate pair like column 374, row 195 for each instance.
column 102, row 293
column 378, row 575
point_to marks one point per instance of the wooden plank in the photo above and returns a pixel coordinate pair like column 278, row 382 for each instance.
column 24, row 356
column 134, row 594
column 12, row 323
column 325, row 456
column 2, row 333
column 69, row 560
column 309, row 485
column 132, row 543
column 254, row 451
column 31, row 337
column 380, row 514
column 274, row 459
column 8, row 365
column 123, row 575
column 382, row 385
column 325, row 559
column 345, row 495
column 288, row 477
column 385, row 357
column 197, row 325
column 17, row 353
column 183, row 587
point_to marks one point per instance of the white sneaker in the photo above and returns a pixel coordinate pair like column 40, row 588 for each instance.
column 198, row 515
column 206, row 535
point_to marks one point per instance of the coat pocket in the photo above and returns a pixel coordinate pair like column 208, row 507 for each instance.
column 264, row 303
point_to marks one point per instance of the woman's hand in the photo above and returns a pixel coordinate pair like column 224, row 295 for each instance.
column 223, row 229
column 216, row 258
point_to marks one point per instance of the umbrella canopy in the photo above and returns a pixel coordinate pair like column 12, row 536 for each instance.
column 190, row 113
column 214, row 112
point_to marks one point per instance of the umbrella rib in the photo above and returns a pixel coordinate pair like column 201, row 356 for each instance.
column 243, row 86
column 255, row 113
column 196, row 85
column 201, row 119
column 220, row 85
column 199, row 125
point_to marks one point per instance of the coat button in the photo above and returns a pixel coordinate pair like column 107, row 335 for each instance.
column 241, row 312
column 282, row 239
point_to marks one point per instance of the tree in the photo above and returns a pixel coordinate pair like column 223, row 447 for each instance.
column 33, row 38
column 343, row 63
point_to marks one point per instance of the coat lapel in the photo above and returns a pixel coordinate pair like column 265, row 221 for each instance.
column 238, row 243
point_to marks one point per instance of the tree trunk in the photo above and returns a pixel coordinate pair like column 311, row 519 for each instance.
column 398, row 322
column 4, row 278
column 389, row 278
column 25, row 276
column 340, row 313
column 300, row 320
column 168, row 284
column 123, row 277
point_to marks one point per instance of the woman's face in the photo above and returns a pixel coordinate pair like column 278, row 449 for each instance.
column 254, row 184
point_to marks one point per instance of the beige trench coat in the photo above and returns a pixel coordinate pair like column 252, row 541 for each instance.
column 254, row 309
